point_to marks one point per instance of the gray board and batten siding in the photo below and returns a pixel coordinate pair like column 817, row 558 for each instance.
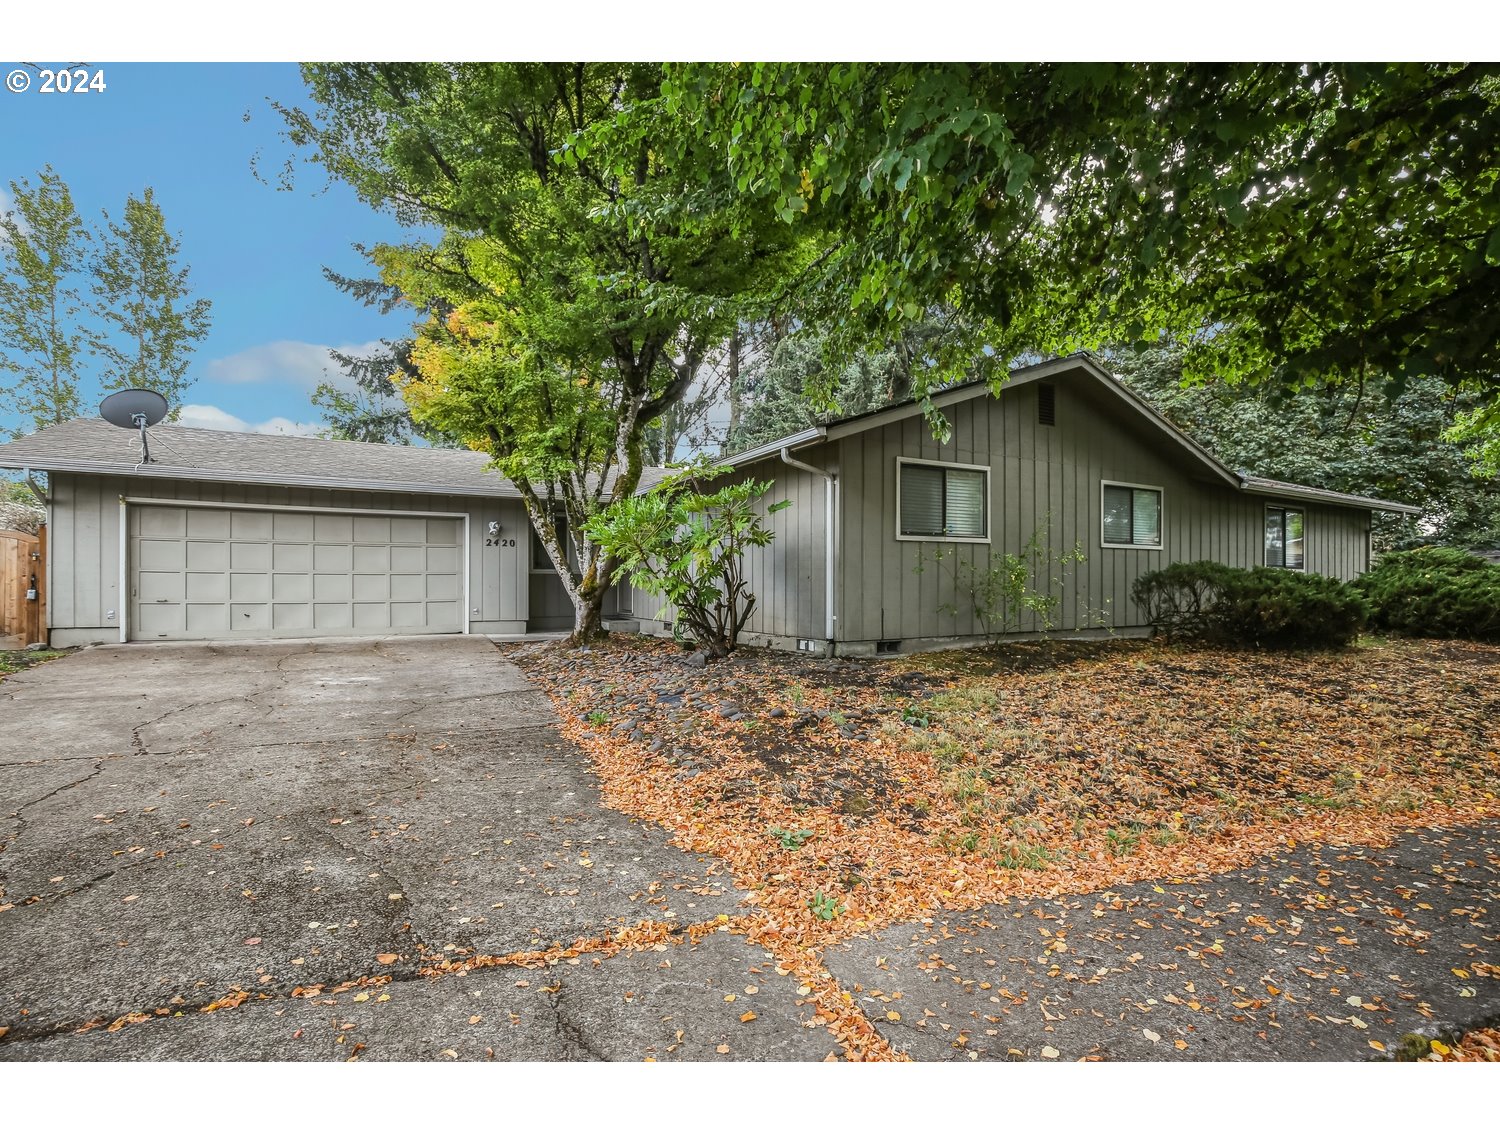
column 891, row 594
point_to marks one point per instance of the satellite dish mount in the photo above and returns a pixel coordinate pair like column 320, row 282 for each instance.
column 135, row 408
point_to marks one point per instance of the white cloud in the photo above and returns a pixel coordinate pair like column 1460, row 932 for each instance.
column 212, row 418
column 285, row 361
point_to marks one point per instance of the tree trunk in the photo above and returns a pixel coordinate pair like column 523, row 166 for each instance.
column 588, row 616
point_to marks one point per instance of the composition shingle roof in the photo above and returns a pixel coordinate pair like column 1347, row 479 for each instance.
column 92, row 445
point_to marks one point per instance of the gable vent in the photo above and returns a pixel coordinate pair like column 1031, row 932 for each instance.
column 1046, row 404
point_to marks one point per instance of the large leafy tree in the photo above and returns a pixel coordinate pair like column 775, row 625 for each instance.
column 1298, row 223
column 151, row 323
column 1369, row 444
column 43, row 251
column 587, row 276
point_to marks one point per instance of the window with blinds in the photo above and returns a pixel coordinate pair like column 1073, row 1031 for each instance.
column 1285, row 545
column 942, row 502
column 1132, row 516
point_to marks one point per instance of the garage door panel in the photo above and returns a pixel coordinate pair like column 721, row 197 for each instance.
column 372, row 560
column 333, row 529
column 333, row 558
column 408, row 615
column 160, row 620
column 408, row 587
column 292, row 617
column 442, row 617
column 372, row 587
column 207, row 587
column 292, row 527
column 408, row 560
column 372, row 529
column 208, row 620
column 332, row 615
column 208, row 557
column 208, row 523
column 205, row 573
column 372, row 615
column 291, row 587
column 410, row 531
column 291, row 557
column 333, row 587
column 255, row 526
column 162, row 554
column 160, row 586
column 167, row 522
column 249, row 587
column 250, row 556
column 249, row 617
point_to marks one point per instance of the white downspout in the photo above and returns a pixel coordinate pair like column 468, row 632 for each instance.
column 830, row 499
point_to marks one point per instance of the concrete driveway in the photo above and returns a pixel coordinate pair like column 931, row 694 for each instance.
column 186, row 825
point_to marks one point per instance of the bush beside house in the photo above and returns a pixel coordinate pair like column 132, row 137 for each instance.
column 1264, row 608
column 1434, row 592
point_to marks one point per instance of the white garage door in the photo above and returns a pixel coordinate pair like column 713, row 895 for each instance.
column 208, row 573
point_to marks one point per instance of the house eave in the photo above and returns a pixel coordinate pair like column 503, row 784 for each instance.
column 1279, row 490
column 811, row 436
column 285, row 480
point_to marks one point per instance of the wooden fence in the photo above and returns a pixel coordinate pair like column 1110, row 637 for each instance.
column 23, row 569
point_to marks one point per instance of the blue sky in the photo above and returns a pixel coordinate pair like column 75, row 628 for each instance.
column 256, row 252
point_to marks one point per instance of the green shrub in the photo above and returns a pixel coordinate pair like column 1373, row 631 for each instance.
column 1266, row 607
column 1176, row 600
column 1434, row 592
column 1274, row 608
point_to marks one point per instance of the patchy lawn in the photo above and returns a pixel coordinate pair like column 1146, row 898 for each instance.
column 854, row 795
column 18, row 660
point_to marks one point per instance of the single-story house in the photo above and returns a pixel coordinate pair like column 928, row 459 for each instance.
column 1065, row 446
column 226, row 536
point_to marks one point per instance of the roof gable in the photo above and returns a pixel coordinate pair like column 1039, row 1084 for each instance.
column 1078, row 365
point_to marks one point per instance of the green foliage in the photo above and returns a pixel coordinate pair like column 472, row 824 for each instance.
column 1339, row 438
column 794, row 386
column 140, row 324
column 43, row 244
column 688, row 546
column 1332, row 221
column 1265, row 607
column 1434, row 592
column 1010, row 589
column 570, row 303
column 1177, row 601
column 151, row 326
column 825, row 907
column 792, row 838
column 1273, row 608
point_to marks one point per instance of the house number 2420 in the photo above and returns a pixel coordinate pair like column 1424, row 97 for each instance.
column 493, row 541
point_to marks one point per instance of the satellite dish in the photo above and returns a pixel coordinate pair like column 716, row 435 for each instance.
column 135, row 408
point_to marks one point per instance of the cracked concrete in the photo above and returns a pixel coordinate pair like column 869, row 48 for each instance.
column 182, row 822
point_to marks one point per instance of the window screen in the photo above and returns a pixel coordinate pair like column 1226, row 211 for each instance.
column 943, row 503
column 1132, row 516
column 540, row 560
column 1284, row 539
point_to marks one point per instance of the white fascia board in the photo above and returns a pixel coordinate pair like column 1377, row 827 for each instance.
column 161, row 472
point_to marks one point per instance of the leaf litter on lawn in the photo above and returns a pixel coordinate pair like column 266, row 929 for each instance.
column 852, row 795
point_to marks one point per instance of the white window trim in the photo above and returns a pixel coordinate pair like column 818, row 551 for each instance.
column 1161, row 516
column 1284, row 508
column 985, row 469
